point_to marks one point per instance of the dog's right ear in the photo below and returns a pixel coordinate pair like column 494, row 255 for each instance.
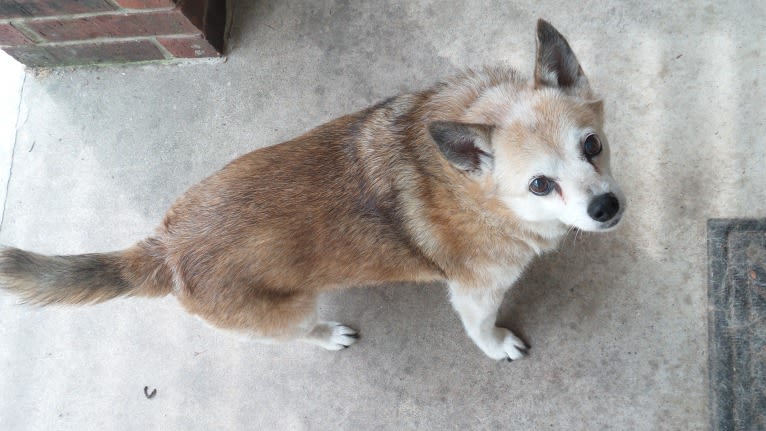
column 466, row 146
column 556, row 64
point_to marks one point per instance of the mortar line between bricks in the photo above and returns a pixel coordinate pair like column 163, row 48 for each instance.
column 114, row 4
column 13, row 150
column 109, row 40
column 175, row 61
column 28, row 32
column 86, row 15
column 162, row 49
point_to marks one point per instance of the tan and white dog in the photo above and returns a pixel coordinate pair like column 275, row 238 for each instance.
column 465, row 182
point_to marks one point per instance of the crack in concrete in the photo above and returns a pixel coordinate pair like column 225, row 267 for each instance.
column 13, row 148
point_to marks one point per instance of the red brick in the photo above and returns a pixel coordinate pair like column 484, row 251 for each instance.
column 122, row 25
column 39, row 8
column 12, row 37
column 188, row 47
column 86, row 53
column 145, row 4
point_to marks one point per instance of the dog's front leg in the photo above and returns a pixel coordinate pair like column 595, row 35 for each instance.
column 478, row 309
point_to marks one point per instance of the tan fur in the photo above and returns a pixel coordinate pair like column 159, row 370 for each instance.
column 363, row 200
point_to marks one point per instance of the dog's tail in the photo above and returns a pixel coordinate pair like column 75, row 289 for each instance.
column 85, row 278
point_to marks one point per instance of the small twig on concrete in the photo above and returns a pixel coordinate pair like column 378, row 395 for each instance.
column 148, row 394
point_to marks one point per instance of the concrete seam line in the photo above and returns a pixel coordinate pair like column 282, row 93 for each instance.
column 13, row 150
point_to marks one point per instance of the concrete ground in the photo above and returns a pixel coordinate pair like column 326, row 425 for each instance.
column 617, row 321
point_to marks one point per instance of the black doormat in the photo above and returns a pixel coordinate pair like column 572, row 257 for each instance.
column 737, row 323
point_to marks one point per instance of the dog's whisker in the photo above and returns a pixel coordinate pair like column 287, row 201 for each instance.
column 569, row 231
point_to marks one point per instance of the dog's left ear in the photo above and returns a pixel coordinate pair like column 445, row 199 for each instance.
column 466, row 146
column 556, row 64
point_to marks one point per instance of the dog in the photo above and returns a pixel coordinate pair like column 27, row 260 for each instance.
column 463, row 183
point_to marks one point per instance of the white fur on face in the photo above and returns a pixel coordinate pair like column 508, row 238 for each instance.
column 581, row 182
column 552, row 147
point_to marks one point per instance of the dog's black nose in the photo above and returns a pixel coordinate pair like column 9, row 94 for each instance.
column 603, row 207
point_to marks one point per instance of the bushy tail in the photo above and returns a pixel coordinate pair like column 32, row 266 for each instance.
column 85, row 278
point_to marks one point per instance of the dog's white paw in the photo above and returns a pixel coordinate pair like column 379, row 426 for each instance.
column 514, row 347
column 504, row 344
column 332, row 336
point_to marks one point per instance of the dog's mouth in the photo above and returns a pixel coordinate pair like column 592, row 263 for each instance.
column 611, row 223
column 602, row 227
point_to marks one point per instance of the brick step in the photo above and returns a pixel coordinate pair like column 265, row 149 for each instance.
column 75, row 32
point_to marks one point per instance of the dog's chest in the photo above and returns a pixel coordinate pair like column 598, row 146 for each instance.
column 502, row 263
column 501, row 275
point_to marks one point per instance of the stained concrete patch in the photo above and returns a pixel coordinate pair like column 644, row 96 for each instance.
column 737, row 324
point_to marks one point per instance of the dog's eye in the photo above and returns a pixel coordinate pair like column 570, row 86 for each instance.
column 591, row 146
column 541, row 186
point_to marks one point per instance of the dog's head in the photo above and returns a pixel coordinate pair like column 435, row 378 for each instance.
column 539, row 148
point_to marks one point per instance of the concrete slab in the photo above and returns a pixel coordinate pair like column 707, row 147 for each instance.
column 617, row 322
